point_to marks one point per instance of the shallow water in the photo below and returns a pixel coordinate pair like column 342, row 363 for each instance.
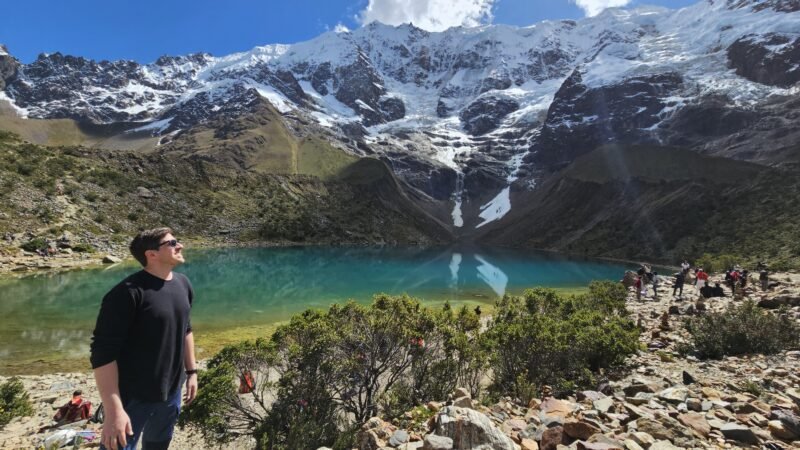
column 48, row 318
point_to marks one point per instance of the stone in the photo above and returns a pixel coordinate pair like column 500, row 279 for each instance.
column 461, row 392
column 739, row 433
column 399, row 437
column 470, row 429
column 597, row 446
column 779, row 431
column 552, row 407
column 579, row 429
column 528, row 444
column 111, row 259
column 369, row 440
column 642, row 438
column 463, row 402
column 674, row 395
column 591, row 396
column 143, row 192
column 694, row 404
column 696, row 422
column 688, row 378
column 551, row 438
column 603, row 404
column 663, row 445
column 635, row 388
column 630, row 444
column 789, row 421
column 434, row 442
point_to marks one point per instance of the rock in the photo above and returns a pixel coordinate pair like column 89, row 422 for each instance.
column 630, row 444
column 552, row 438
column 552, row 407
column 789, row 421
column 603, row 404
column 642, row 438
column 461, row 392
column 688, row 378
column 434, row 442
column 696, row 422
column 463, row 402
column 598, row 446
column 369, row 440
column 580, row 429
column 779, row 431
column 635, row 388
column 663, row 445
column 528, row 444
column 739, row 433
column 694, row 404
column 591, row 396
column 674, row 395
column 143, row 192
column 111, row 259
column 399, row 437
column 470, row 429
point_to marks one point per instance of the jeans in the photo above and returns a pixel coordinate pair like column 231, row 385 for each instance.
column 157, row 419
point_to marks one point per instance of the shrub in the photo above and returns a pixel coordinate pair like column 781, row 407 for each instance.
column 742, row 329
column 34, row 244
column 326, row 372
column 83, row 248
column 14, row 401
column 558, row 341
column 716, row 263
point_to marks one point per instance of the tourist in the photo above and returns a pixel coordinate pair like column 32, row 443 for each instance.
column 702, row 278
column 685, row 266
column 763, row 277
column 655, row 285
column 142, row 344
column 680, row 278
column 638, row 287
column 717, row 291
column 707, row 291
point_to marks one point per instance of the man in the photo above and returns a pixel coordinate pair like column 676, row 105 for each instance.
column 143, row 347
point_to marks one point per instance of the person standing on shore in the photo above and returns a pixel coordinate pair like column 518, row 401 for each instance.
column 142, row 347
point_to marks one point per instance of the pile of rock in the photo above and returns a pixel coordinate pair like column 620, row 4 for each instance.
column 666, row 401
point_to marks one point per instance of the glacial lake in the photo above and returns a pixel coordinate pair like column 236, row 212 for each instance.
column 46, row 320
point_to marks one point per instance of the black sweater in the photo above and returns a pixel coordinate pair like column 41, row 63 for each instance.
column 142, row 324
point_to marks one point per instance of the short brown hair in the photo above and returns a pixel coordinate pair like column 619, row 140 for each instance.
column 147, row 240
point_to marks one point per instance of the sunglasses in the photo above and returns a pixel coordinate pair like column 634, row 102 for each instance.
column 171, row 243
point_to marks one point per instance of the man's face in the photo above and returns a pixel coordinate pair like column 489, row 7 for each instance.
column 167, row 254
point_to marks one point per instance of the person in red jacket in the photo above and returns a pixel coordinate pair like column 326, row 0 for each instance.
column 702, row 278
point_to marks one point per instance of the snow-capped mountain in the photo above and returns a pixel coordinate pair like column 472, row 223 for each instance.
column 468, row 114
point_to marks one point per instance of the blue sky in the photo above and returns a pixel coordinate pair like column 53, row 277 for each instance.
column 143, row 30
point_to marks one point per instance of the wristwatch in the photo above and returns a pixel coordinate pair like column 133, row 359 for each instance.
column 191, row 371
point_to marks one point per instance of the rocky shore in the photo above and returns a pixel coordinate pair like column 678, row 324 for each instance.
column 662, row 401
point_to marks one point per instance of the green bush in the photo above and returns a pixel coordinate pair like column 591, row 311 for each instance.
column 717, row 263
column 742, row 329
column 83, row 248
column 558, row 341
column 34, row 244
column 14, row 401
column 330, row 371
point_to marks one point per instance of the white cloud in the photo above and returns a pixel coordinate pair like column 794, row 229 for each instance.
column 340, row 28
column 431, row 15
column 595, row 7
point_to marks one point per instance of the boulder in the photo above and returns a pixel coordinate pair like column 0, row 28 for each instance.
column 552, row 438
column 580, row 429
column 696, row 422
column 434, row 442
column 470, row 429
column 111, row 259
column 739, row 433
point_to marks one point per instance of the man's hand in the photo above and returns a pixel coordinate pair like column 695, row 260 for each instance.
column 191, row 389
column 116, row 429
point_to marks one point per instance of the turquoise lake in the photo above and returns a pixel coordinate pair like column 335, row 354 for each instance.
column 47, row 319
